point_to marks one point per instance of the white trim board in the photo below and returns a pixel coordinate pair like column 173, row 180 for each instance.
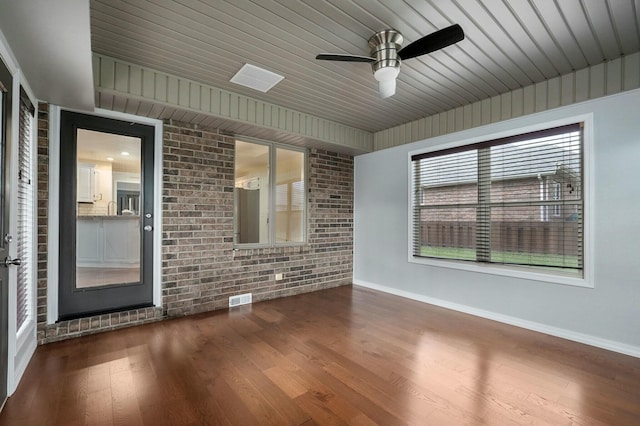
column 506, row 319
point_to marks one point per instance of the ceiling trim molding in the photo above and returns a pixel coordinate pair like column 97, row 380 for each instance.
column 115, row 77
column 604, row 79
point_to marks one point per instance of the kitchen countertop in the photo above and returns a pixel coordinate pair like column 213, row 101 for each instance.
column 114, row 217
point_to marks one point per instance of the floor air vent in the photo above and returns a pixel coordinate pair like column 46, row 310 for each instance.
column 241, row 299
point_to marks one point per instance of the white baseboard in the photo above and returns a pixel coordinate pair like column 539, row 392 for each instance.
column 518, row 322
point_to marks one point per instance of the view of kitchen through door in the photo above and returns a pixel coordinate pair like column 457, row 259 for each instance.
column 106, row 215
column 108, row 209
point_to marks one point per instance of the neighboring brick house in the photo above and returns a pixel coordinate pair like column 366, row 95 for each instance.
column 548, row 186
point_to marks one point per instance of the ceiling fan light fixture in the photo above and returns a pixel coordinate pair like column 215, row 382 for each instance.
column 386, row 77
column 386, row 53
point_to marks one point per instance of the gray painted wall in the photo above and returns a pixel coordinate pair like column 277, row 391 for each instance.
column 607, row 315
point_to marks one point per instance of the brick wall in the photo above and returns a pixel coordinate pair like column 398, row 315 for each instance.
column 42, row 217
column 200, row 268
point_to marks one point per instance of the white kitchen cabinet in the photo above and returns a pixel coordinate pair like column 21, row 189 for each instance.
column 86, row 183
column 122, row 241
column 89, row 241
column 108, row 241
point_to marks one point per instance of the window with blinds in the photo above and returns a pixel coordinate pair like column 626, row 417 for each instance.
column 513, row 201
column 25, row 212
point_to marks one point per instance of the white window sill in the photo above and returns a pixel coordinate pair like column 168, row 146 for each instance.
column 528, row 273
column 251, row 249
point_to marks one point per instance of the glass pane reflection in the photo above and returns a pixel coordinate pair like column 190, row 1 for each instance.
column 108, row 209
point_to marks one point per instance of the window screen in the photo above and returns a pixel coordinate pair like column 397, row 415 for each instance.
column 516, row 200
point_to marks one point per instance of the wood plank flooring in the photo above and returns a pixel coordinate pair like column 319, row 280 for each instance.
column 341, row 356
column 94, row 277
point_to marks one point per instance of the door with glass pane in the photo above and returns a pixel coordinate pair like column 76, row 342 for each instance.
column 106, row 215
column 5, row 135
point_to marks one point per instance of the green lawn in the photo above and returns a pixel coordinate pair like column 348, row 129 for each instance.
column 502, row 257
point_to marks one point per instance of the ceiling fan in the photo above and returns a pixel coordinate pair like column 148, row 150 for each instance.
column 386, row 54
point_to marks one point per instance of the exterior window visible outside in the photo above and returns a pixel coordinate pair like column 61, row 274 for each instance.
column 269, row 194
column 489, row 202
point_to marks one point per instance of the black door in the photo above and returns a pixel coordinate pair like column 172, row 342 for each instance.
column 5, row 191
column 106, row 246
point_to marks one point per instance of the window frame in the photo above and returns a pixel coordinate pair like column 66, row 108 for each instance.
column 585, row 279
column 273, row 146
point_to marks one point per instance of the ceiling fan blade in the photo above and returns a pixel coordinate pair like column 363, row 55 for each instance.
column 343, row 57
column 432, row 42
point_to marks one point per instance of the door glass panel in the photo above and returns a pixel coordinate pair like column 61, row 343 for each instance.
column 108, row 209
column 5, row 118
column 251, row 193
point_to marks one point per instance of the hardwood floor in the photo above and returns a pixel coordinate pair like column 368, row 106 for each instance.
column 340, row 356
column 94, row 277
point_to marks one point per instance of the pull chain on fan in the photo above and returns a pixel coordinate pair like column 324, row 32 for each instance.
column 386, row 55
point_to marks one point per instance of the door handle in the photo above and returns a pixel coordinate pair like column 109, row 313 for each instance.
column 148, row 228
column 9, row 261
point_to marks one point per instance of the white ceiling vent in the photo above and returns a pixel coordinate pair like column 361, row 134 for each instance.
column 256, row 78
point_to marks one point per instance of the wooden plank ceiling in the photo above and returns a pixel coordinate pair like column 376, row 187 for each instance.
column 509, row 44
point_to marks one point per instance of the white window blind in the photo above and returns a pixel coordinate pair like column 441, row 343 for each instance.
column 290, row 196
column 25, row 212
column 282, row 197
column 516, row 200
column 297, row 195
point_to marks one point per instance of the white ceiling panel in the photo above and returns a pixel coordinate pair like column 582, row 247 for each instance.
column 51, row 43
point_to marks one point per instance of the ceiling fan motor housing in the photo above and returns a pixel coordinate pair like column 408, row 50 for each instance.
column 384, row 47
